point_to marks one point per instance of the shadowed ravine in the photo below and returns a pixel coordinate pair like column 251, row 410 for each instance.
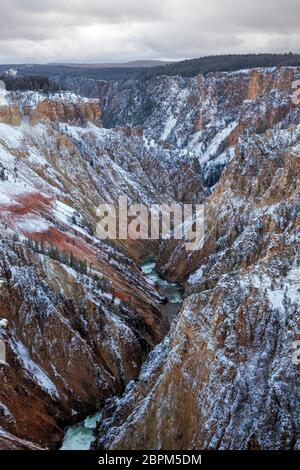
column 80, row 436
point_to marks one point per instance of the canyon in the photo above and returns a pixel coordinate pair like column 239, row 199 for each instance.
column 86, row 330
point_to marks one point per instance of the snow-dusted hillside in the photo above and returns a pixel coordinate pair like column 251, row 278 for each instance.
column 226, row 376
column 80, row 317
column 67, row 299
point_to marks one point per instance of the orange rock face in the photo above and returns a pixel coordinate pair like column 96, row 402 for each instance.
column 260, row 84
column 10, row 115
column 73, row 114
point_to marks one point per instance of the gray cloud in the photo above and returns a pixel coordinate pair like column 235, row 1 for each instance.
column 120, row 30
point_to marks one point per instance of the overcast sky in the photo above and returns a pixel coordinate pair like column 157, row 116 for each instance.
column 122, row 30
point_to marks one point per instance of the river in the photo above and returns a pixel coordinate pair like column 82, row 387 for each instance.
column 81, row 436
column 172, row 291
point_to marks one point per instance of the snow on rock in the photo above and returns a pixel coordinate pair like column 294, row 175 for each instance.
column 32, row 224
column 10, row 442
column 228, row 359
column 196, row 277
column 3, row 323
column 34, row 370
column 229, row 139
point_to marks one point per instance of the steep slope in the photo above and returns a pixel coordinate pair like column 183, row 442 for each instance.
column 224, row 378
column 82, row 318
column 203, row 116
column 69, row 300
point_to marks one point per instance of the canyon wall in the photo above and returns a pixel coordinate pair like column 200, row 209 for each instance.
column 82, row 318
column 226, row 376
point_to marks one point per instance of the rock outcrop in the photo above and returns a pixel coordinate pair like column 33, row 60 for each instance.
column 53, row 108
column 225, row 378
column 10, row 115
column 78, row 113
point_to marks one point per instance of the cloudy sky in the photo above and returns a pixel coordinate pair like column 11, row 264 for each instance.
column 121, row 30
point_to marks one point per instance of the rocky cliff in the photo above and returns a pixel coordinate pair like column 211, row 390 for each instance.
column 224, row 378
column 81, row 317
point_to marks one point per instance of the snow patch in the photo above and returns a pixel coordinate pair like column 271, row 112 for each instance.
column 33, row 225
column 38, row 374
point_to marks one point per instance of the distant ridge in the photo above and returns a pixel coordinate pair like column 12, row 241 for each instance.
column 132, row 64
column 147, row 69
column 223, row 63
